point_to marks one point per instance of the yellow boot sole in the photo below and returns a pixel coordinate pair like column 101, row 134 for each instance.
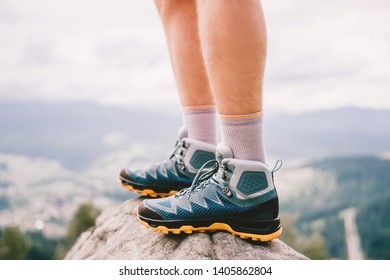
column 214, row 227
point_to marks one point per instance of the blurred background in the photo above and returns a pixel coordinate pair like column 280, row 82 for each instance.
column 86, row 88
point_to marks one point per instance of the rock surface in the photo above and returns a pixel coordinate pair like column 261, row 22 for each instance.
column 119, row 236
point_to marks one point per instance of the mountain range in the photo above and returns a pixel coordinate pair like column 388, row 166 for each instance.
column 76, row 134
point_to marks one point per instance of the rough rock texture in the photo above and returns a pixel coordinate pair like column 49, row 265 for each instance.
column 118, row 235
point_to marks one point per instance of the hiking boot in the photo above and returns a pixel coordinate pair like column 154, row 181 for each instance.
column 233, row 195
column 172, row 175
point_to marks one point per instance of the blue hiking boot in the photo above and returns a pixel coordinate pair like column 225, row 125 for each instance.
column 233, row 195
column 172, row 175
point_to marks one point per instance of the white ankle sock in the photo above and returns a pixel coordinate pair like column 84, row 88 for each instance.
column 200, row 122
column 244, row 135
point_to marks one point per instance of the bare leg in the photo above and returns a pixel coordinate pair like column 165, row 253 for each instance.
column 233, row 36
column 179, row 18
column 180, row 24
column 233, row 40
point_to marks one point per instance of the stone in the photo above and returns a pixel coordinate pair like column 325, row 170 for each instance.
column 118, row 235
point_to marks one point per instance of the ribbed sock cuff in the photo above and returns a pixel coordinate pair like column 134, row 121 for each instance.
column 200, row 122
column 244, row 135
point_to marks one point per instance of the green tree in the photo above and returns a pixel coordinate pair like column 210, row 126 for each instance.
column 312, row 246
column 14, row 245
column 373, row 223
column 83, row 219
column 42, row 247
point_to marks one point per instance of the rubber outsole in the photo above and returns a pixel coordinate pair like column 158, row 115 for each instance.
column 146, row 192
column 188, row 229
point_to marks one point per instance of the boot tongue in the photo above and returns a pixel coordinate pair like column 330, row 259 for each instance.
column 223, row 152
column 182, row 133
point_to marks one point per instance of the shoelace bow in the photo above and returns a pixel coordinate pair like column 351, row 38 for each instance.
column 204, row 178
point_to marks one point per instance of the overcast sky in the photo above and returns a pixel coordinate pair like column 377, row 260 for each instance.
column 321, row 55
